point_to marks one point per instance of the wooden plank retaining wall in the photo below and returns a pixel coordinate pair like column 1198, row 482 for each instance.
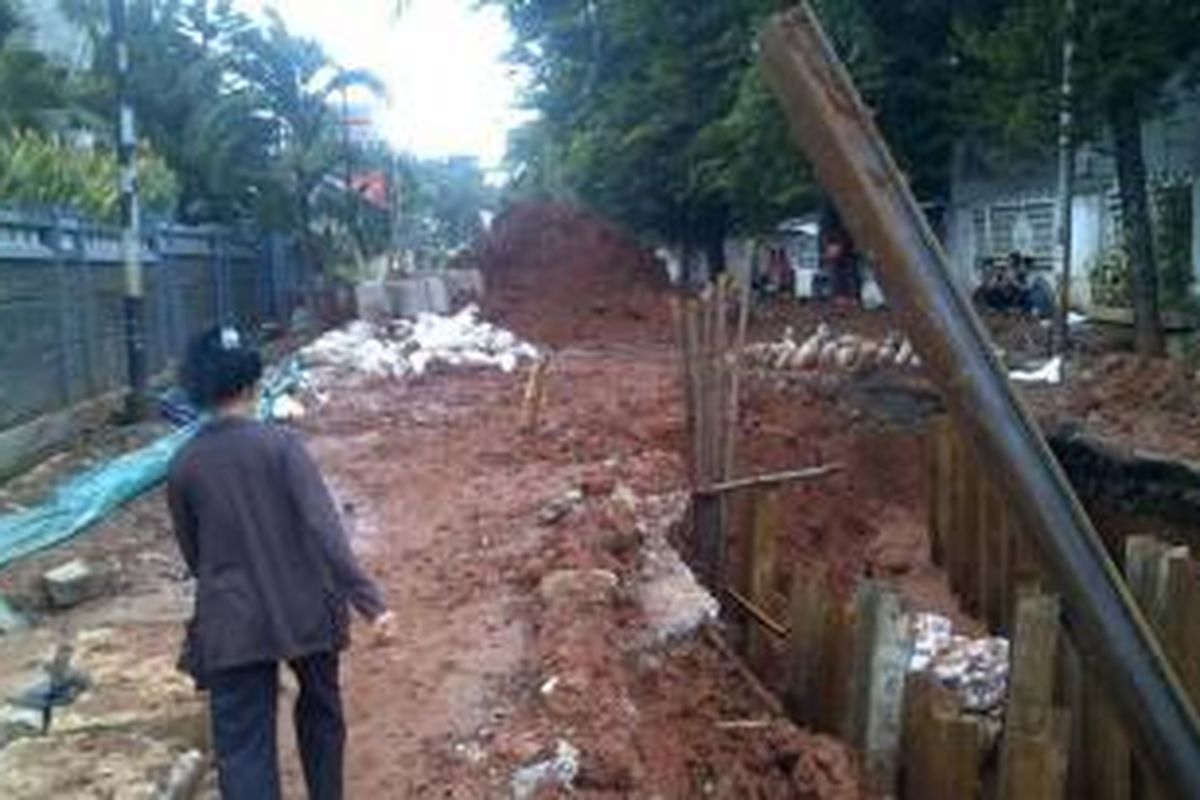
column 840, row 663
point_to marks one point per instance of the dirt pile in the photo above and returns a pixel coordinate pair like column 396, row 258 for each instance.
column 1142, row 403
column 559, row 275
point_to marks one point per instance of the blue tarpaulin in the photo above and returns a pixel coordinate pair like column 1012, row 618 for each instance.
column 91, row 496
column 88, row 498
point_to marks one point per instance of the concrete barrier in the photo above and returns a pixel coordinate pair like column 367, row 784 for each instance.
column 432, row 292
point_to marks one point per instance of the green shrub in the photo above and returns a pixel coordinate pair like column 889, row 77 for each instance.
column 43, row 172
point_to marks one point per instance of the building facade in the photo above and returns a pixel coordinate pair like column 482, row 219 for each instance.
column 995, row 211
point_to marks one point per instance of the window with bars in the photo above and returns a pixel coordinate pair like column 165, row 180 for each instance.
column 1027, row 226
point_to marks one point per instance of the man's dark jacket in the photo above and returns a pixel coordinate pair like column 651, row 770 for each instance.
column 259, row 531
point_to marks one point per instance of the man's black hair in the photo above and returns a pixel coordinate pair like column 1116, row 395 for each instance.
column 217, row 368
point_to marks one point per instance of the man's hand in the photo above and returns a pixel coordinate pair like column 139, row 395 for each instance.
column 383, row 629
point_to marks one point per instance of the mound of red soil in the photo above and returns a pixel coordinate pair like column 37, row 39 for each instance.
column 1143, row 403
column 559, row 275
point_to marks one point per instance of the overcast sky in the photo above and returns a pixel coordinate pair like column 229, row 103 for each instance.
column 442, row 60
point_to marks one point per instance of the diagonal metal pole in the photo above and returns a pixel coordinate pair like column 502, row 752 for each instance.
column 836, row 131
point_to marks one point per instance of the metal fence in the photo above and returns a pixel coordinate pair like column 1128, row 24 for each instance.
column 61, row 290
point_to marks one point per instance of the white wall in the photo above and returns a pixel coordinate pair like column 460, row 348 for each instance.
column 1087, row 244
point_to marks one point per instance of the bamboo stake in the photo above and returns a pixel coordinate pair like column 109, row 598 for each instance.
column 681, row 310
column 756, row 613
column 695, row 390
column 733, row 412
column 720, row 369
column 772, row 480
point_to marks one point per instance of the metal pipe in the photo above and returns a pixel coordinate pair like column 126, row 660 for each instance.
column 835, row 129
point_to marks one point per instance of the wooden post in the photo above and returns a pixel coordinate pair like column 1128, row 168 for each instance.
column 1182, row 622
column 1033, row 755
column 720, row 367
column 1148, row 566
column 943, row 749
column 983, row 550
column 883, row 648
column 836, row 665
column 733, row 411
column 808, row 623
column 757, row 583
column 682, row 311
column 967, row 527
column 535, row 394
column 956, row 534
column 942, row 487
column 1105, row 771
column 704, row 394
column 1005, row 548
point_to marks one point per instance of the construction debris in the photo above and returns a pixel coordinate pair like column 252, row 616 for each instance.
column 185, row 776
column 60, row 687
column 672, row 600
column 578, row 588
column 559, row 771
column 560, row 507
column 975, row 669
column 406, row 348
column 824, row 350
column 72, row 584
column 11, row 620
column 1049, row 372
column 18, row 723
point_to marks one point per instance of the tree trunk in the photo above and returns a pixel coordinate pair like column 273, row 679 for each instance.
column 304, row 211
column 714, row 251
column 1135, row 221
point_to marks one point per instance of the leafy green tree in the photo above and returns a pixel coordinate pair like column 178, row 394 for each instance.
column 655, row 111
column 33, row 90
column 633, row 97
column 292, row 86
column 1128, row 54
column 441, row 203
column 44, row 172
column 245, row 113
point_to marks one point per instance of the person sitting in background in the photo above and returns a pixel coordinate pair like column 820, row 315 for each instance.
column 274, row 578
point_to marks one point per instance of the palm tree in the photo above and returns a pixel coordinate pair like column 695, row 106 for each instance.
column 291, row 84
column 32, row 88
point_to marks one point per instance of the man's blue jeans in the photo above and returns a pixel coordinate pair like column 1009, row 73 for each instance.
column 243, row 703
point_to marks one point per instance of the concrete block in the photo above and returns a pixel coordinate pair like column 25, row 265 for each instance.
column 73, row 583
column 11, row 620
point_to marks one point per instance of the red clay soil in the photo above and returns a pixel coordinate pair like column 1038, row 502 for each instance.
column 1139, row 403
column 868, row 520
column 446, row 494
column 1144, row 404
column 561, row 275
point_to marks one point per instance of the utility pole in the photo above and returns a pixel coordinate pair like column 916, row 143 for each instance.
column 1066, row 177
column 126, row 134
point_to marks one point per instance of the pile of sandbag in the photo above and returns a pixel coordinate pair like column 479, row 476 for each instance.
column 825, row 350
column 395, row 349
column 404, row 348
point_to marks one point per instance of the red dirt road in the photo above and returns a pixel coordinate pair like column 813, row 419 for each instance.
column 444, row 494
